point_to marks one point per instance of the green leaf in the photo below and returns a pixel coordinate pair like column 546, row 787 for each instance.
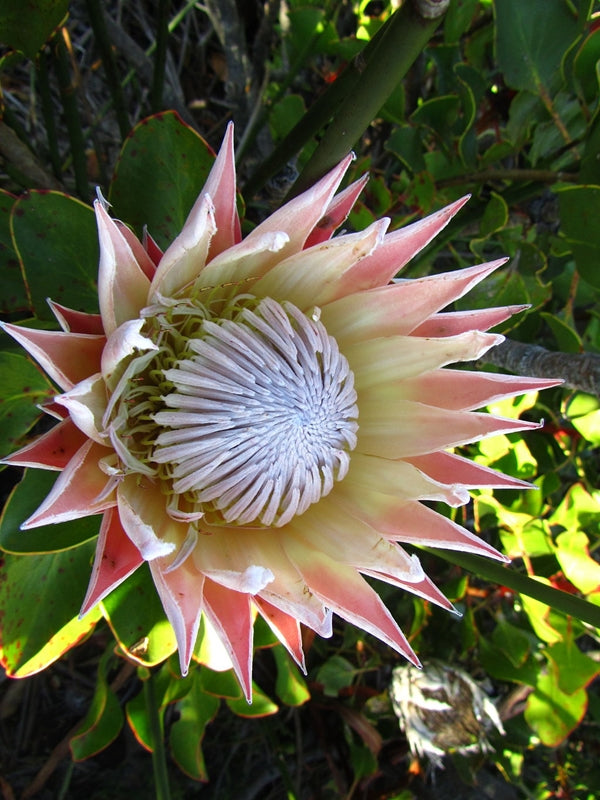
column 137, row 619
column 530, row 41
column 573, row 669
column 495, row 215
column 261, row 705
column 567, row 339
column 22, row 389
column 161, row 171
column 290, row 687
column 104, row 720
column 552, row 713
column 14, row 296
column 585, row 67
column 513, row 642
column 579, row 214
column 335, row 674
column 221, row 684
column 40, row 598
column 285, row 114
column 196, row 710
column 27, row 28
column 407, row 145
column 496, row 663
column 586, row 420
column 576, row 562
column 458, row 18
column 57, row 243
column 23, row 501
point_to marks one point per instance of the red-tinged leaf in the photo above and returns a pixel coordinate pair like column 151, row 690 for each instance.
column 552, row 713
column 162, row 168
column 26, row 28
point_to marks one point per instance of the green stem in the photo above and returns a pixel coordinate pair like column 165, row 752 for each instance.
column 73, row 121
column 98, row 24
column 48, row 113
column 159, row 758
column 505, row 576
column 160, row 59
column 316, row 117
column 404, row 40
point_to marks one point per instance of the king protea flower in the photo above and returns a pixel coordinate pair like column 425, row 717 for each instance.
column 259, row 419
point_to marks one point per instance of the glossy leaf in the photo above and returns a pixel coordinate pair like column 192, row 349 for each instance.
column 195, row 710
column 40, row 597
column 22, row 389
column 23, row 501
column 162, row 168
column 137, row 620
column 539, row 32
column 104, row 720
column 13, row 297
column 29, row 34
column 290, row 686
column 57, row 244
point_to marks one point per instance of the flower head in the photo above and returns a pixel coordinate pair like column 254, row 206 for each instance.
column 260, row 419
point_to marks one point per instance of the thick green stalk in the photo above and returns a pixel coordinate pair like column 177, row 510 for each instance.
column 48, row 113
column 316, row 117
column 159, row 757
column 69, row 100
column 98, row 24
column 404, row 40
column 160, row 58
column 504, row 576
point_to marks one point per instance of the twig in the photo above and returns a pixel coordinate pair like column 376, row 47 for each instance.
column 578, row 370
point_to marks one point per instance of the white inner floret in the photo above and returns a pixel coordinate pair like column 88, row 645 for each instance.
column 262, row 417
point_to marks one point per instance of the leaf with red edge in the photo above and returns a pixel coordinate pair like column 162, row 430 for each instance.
column 196, row 710
column 40, row 596
column 27, row 28
column 161, row 171
column 104, row 720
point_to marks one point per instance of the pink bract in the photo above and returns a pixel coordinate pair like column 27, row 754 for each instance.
column 260, row 419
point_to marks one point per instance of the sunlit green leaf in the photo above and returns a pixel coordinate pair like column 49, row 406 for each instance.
column 137, row 619
column 290, row 687
column 553, row 713
column 40, row 598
